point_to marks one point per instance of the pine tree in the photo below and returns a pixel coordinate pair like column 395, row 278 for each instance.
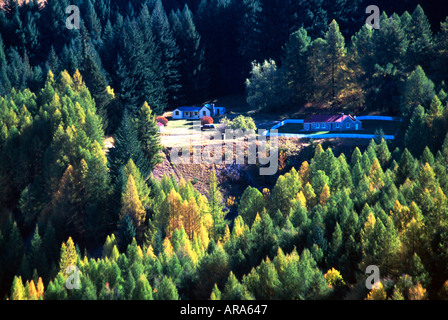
column 138, row 76
column 143, row 290
column 169, row 51
column 417, row 133
column 5, row 84
column 263, row 281
column 193, row 69
column 335, row 56
column 36, row 256
column 417, row 90
column 126, row 231
column 148, row 135
column 216, row 293
column 127, row 146
column 421, row 43
column 234, row 290
column 140, row 182
column 390, row 43
column 215, row 202
column 383, row 66
column 251, row 203
column 97, row 83
column 167, row 290
column 295, row 63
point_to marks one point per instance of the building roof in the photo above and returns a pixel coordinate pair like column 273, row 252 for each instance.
column 195, row 109
column 189, row 109
column 328, row 118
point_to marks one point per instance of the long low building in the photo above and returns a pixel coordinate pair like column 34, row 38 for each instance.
column 196, row 113
column 339, row 123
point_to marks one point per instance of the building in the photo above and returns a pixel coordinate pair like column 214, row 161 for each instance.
column 339, row 122
column 196, row 113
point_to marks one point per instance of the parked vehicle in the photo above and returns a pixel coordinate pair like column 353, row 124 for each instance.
column 208, row 127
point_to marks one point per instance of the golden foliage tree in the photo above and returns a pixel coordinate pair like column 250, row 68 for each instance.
column 68, row 256
column 377, row 294
column 132, row 206
column 191, row 219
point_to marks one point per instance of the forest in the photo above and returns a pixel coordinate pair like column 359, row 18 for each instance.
column 67, row 202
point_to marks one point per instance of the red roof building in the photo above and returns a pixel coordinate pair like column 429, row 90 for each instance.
column 340, row 122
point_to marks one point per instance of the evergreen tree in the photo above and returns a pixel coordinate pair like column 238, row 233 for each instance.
column 127, row 146
column 417, row 90
column 97, row 84
column 335, row 56
column 126, row 231
column 143, row 290
column 192, row 68
column 169, row 51
column 148, row 135
column 216, row 207
column 251, row 203
column 295, row 63
column 234, row 290
column 417, row 132
column 421, row 44
column 167, row 290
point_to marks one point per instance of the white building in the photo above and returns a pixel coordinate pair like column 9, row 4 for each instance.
column 196, row 113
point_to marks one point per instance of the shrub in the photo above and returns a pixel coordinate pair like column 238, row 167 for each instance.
column 162, row 120
column 206, row 120
column 240, row 122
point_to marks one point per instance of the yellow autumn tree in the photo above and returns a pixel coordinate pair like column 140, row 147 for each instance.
column 377, row 293
column 443, row 292
column 226, row 236
column 310, row 196
column 376, row 176
column 68, row 256
column 17, row 289
column 40, row 289
column 304, row 173
column 417, row 292
column 132, row 206
column 325, row 195
column 301, row 198
column 150, row 252
column 168, row 247
column 334, row 278
column 174, row 212
column 77, row 81
column 191, row 219
column 31, row 290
